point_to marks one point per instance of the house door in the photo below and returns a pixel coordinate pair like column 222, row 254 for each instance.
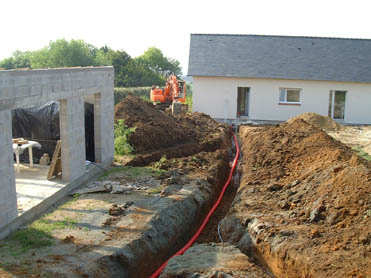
column 336, row 109
column 243, row 96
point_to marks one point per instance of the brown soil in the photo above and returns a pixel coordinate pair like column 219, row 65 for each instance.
column 305, row 199
column 156, row 129
column 210, row 233
column 323, row 122
column 158, row 133
column 146, row 231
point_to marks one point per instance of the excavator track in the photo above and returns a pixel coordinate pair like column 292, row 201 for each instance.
column 161, row 106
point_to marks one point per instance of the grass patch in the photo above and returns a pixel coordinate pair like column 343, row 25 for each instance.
column 121, row 93
column 48, row 226
column 189, row 97
column 121, row 141
column 132, row 172
column 155, row 190
column 35, row 236
column 25, row 239
column 158, row 164
column 75, row 197
column 360, row 152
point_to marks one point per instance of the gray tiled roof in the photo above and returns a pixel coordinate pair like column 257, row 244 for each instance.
column 307, row 58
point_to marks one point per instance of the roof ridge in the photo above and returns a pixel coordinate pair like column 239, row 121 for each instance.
column 279, row 36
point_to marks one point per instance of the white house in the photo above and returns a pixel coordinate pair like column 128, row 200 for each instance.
column 274, row 78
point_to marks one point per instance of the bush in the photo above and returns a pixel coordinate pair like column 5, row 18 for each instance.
column 121, row 93
column 122, row 132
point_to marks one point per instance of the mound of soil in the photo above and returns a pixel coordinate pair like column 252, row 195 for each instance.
column 323, row 122
column 211, row 261
column 154, row 129
column 304, row 201
column 158, row 133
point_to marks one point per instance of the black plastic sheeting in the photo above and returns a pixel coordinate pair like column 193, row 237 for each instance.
column 41, row 123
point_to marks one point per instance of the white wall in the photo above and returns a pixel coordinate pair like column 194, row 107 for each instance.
column 217, row 96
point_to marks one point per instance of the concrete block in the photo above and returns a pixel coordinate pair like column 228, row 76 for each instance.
column 22, row 91
column 35, row 90
column 72, row 137
column 8, row 196
column 5, row 135
column 6, row 161
column 6, row 93
column 3, row 215
column 5, row 116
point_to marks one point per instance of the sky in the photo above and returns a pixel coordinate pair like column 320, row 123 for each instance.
column 136, row 25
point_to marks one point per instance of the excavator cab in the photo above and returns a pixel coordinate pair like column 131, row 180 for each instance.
column 157, row 95
column 174, row 91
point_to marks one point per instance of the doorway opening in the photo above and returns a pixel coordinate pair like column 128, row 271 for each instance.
column 243, row 97
column 35, row 132
column 336, row 108
column 89, row 132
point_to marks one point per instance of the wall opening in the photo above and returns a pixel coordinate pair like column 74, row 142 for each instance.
column 89, row 132
column 35, row 133
column 243, row 98
column 336, row 108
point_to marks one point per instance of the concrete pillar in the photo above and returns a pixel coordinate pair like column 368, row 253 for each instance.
column 8, row 195
column 72, row 129
column 103, row 127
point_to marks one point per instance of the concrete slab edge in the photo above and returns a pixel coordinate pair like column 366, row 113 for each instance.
column 38, row 210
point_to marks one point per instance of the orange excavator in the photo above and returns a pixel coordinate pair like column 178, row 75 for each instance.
column 173, row 95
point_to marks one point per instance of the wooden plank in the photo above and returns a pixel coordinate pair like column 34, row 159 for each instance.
column 56, row 165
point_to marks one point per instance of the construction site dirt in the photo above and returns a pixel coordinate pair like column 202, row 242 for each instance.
column 153, row 214
column 159, row 134
column 303, row 205
column 299, row 206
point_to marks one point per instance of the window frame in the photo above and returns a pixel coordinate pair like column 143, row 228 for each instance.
column 285, row 102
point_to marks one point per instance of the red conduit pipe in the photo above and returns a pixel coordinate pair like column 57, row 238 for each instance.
column 206, row 220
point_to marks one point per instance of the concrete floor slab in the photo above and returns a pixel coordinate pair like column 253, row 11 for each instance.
column 33, row 187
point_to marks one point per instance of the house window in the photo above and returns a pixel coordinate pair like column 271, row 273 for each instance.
column 289, row 96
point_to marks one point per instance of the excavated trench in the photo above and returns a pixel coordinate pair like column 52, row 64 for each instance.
column 210, row 248
column 173, row 227
column 297, row 207
column 300, row 194
column 301, row 209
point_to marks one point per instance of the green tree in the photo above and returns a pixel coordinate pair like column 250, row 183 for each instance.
column 61, row 53
column 18, row 60
column 120, row 60
column 104, row 56
column 129, row 72
column 154, row 59
column 150, row 68
column 140, row 75
column 7, row 63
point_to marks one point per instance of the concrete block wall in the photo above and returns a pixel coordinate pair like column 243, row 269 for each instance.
column 23, row 88
column 103, row 128
column 8, row 195
column 72, row 130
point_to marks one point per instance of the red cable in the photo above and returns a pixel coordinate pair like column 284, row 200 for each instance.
column 197, row 234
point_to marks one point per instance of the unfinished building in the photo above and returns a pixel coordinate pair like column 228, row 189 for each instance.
column 71, row 87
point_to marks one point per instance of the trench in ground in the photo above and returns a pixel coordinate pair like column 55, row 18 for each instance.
column 211, row 232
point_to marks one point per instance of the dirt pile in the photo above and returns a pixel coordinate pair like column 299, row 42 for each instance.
column 323, row 122
column 154, row 129
column 304, row 201
column 158, row 133
column 210, row 261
